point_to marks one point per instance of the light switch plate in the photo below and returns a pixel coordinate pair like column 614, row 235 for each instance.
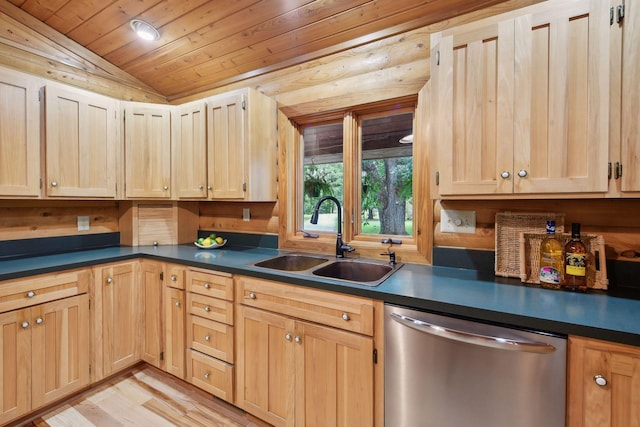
column 246, row 214
column 454, row 221
column 83, row 223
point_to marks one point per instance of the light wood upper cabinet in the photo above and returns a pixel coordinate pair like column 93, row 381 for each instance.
column 520, row 101
column 147, row 150
column 190, row 151
column 241, row 146
column 604, row 384
column 82, row 143
column 19, row 135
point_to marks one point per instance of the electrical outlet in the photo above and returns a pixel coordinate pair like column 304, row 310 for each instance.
column 453, row 221
column 246, row 214
column 83, row 223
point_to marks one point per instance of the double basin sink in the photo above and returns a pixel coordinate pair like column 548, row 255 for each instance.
column 369, row 273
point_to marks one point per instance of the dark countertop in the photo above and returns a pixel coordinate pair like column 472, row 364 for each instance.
column 441, row 289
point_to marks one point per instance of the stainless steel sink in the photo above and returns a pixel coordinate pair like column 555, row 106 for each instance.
column 292, row 262
column 369, row 272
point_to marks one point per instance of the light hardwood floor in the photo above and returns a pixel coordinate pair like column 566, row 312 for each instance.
column 145, row 397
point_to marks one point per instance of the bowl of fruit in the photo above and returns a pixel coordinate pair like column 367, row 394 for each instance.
column 212, row 241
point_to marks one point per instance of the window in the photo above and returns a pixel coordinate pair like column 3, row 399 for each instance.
column 364, row 159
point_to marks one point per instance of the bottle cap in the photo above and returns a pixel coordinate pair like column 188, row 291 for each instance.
column 575, row 229
column 551, row 227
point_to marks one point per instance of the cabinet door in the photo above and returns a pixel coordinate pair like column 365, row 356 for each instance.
column 81, row 143
column 19, row 135
column 15, row 364
column 147, row 151
column 152, row 342
column 174, row 332
column 472, row 93
column 265, row 369
column 118, row 324
column 226, row 150
column 60, row 349
column 561, row 111
column 630, row 109
column 615, row 401
column 190, row 151
column 334, row 377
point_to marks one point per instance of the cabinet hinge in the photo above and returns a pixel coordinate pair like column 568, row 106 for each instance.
column 437, row 57
column 89, row 305
column 618, row 171
column 244, row 187
column 609, row 170
column 375, row 356
column 162, row 355
column 619, row 13
column 161, row 275
column 244, row 104
column 41, row 183
column 437, row 178
column 89, row 368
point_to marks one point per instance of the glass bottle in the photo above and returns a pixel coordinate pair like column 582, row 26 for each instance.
column 575, row 261
column 551, row 260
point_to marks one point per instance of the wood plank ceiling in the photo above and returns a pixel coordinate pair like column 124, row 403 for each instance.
column 209, row 44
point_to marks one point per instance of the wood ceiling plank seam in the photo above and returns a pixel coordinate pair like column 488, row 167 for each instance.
column 186, row 25
column 267, row 54
column 122, row 11
column 72, row 14
column 160, row 15
column 70, row 53
column 234, row 31
column 42, row 10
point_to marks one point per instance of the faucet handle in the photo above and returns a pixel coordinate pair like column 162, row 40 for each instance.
column 391, row 255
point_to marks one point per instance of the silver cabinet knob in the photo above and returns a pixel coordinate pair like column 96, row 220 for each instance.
column 39, row 320
column 287, row 336
column 31, row 294
column 209, row 187
column 109, row 280
column 298, row 339
column 206, row 375
column 522, row 173
column 207, row 338
column 207, row 286
column 200, row 187
column 600, row 380
column 54, row 183
column 505, row 174
column 25, row 325
column 345, row 316
column 165, row 188
column 177, row 303
column 174, row 278
column 207, row 308
column 252, row 295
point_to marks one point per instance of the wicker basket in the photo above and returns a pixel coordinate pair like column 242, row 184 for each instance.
column 530, row 258
column 509, row 225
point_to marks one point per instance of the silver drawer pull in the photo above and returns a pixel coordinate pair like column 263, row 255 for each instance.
column 109, row 280
column 54, row 183
column 345, row 316
column 287, row 336
column 174, row 278
column 207, row 308
column 31, row 294
column 207, row 286
column 252, row 295
column 25, row 325
column 177, row 303
column 505, row 174
column 206, row 375
column 600, row 380
column 207, row 338
column 298, row 339
column 522, row 173
column 39, row 320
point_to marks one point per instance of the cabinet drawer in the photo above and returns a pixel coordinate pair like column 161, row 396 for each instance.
column 210, row 374
column 210, row 308
column 217, row 285
column 346, row 312
column 175, row 276
column 19, row 293
column 209, row 337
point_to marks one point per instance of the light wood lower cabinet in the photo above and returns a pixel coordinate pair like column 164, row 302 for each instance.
column 604, row 384
column 116, row 318
column 45, row 354
column 294, row 372
column 174, row 320
column 151, row 274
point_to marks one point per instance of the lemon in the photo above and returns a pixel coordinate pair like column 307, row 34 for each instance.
column 219, row 240
column 207, row 242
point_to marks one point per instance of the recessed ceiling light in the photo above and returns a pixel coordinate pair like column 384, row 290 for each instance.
column 144, row 30
column 407, row 139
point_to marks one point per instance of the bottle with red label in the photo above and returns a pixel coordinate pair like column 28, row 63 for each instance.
column 575, row 262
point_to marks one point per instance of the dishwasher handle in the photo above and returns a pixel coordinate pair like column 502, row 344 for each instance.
column 473, row 338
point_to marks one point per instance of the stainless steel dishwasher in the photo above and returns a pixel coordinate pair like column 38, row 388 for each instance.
column 442, row 371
